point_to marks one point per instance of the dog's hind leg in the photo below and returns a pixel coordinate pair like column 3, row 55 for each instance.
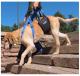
column 65, row 36
column 54, row 23
column 56, row 36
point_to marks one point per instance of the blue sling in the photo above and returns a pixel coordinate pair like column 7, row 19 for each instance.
column 29, row 21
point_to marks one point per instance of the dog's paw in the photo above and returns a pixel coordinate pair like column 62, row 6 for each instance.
column 57, row 52
column 26, row 64
column 20, row 64
column 68, row 44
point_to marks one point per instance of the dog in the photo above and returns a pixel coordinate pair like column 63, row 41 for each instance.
column 28, row 41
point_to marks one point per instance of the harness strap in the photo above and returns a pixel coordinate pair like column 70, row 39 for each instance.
column 29, row 21
column 40, row 13
column 32, row 28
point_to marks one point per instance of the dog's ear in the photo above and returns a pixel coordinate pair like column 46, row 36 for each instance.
column 5, row 38
column 10, row 38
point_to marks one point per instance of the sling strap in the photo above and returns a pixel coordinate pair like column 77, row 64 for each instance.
column 29, row 21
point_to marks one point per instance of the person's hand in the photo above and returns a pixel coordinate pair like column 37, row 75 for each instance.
column 22, row 23
column 24, row 19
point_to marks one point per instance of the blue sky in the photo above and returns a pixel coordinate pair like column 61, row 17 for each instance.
column 9, row 10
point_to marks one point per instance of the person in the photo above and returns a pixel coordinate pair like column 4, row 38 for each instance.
column 33, row 8
column 34, row 11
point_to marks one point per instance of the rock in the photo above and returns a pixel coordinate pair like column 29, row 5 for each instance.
column 61, row 60
column 10, row 54
column 39, row 69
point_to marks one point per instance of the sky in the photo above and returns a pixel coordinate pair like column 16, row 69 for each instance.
column 10, row 14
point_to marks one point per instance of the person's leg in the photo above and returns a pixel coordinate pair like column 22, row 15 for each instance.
column 39, row 47
column 22, row 48
column 55, row 34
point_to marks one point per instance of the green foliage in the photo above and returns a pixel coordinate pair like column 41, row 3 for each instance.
column 71, row 16
column 73, row 26
column 68, row 27
column 58, row 14
column 5, row 28
column 8, row 28
column 15, row 27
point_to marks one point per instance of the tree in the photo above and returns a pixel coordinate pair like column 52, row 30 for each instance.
column 15, row 27
column 58, row 14
column 71, row 16
column 74, row 25
column 63, row 26
column 5, row 28
column 2, row 27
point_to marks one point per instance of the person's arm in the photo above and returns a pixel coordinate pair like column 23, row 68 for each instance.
column 27, row 15
column 25, row 19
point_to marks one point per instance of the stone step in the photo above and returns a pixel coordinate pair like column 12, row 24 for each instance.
column 2, row 46
column 72, row 36
column 3, row 50
column 1, row 55
column 74, row 49
column 10, row 54
column 2, row 42
column 6, row 63
column 14, row 46
column 2, row 69
column 8, row 59
column 49, row 40
column 50, row 43
column 14, row 50
column 39, row 69
column 61, row 60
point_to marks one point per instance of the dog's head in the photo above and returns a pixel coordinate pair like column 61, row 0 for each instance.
column 8, row 41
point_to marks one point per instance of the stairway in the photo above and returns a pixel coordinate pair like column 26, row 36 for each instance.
column 67, row 62
column 7, row 57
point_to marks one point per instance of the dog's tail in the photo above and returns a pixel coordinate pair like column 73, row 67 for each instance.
column 67, row 20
